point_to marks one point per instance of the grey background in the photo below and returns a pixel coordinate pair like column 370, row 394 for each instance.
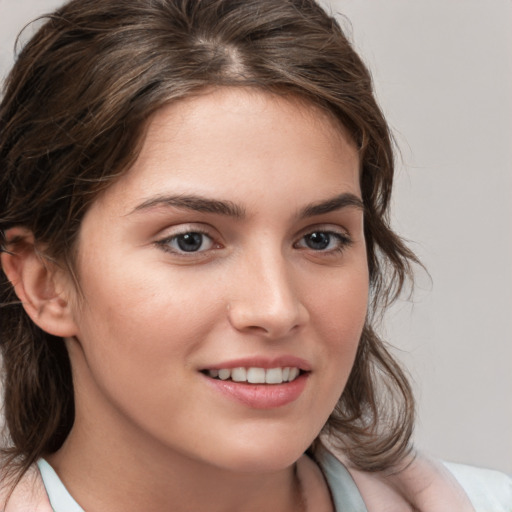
column 443, row 75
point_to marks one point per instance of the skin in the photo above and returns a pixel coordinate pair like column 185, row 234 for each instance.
column 150, row 432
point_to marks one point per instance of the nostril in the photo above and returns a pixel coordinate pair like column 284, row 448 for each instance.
column 256, row 328
column 276, row 313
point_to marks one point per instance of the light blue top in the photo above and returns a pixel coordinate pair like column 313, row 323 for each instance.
column 488, row 491
column 60, row 499
column 344, row 492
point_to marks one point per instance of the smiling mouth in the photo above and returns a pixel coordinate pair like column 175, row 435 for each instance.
column 255, row 375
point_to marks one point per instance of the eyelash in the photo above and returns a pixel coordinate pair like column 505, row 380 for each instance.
column 165, row 243
column 344, row 241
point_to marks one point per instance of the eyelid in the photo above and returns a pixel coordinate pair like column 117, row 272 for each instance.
column 163, row 242
column 325, row 228
column 344, row 237
column 172, row 232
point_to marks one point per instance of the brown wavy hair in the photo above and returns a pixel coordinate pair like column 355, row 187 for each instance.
column 72, row 119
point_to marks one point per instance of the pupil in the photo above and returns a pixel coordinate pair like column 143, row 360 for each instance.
column 318, row 241
column 190, row 242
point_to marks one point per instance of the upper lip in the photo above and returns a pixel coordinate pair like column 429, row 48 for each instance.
column 263, row 362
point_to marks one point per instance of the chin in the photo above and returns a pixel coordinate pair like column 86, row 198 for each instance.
column 245, row 463
column 262, row 455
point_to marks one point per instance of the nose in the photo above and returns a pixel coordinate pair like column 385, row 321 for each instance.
column 265, row 299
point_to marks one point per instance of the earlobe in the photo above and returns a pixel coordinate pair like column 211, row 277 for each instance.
column 38, row 283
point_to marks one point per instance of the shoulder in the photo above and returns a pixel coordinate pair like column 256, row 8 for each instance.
column 29, row 494
column 487, row 489
column 424, row 485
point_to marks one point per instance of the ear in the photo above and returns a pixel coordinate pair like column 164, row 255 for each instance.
column 39, row 284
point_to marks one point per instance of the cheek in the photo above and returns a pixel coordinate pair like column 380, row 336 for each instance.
column 141, row 328
column 340, row 315
column 342, row 307
column 146, row 316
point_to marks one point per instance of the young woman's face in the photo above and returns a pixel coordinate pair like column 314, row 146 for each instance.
column 233, row 250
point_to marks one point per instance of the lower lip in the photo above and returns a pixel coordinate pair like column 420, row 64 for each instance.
column 261, row 396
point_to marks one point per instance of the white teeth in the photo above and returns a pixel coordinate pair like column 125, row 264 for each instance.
column 224, row 374
column 255, row 375
column 239, row 374
column 274, row 376
column 294, row 373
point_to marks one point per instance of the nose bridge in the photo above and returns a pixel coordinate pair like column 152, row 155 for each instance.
column 265, row 298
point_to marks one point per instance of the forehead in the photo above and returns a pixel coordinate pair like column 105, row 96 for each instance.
column 224, row 138
column 243, row 107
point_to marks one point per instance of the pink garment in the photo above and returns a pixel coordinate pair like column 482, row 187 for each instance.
column 28, row 496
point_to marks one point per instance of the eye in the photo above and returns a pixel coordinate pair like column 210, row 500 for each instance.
column 324, row 241
column 189, row 242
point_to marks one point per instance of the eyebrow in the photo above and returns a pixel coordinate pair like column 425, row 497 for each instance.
column 231, row 209
column 330, row 205
column 194, row 203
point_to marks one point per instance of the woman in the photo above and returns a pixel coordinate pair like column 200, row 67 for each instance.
column 194, row 217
